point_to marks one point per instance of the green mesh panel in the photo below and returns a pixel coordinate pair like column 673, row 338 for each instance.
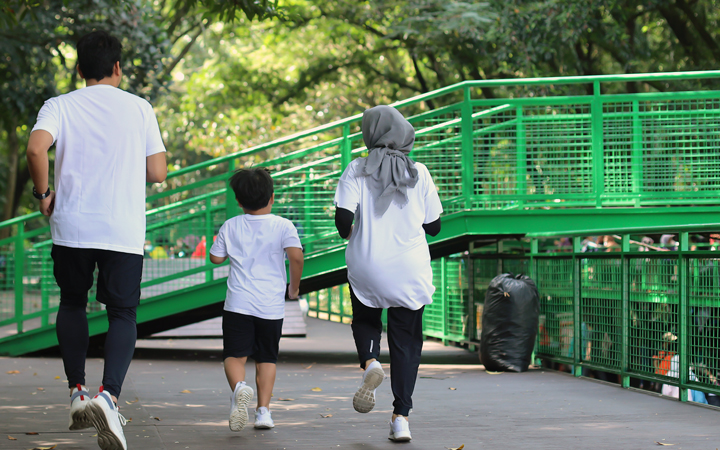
column 554, row 280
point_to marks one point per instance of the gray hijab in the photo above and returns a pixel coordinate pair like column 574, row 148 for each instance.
column 388, row 138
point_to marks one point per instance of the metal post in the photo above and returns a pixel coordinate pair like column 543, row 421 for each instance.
column 19, row 272
column 625, row 313
column 468, row 169
column 521, row 155
column 231, row 206
column 683, row 306
column 208, row 238
column 596, row 114
column 472, row 315
column 345, row 147
column 636, row 164
column 577, row 328
column 307, row 204
column 443, row 287
column 534, row 245
column 341, row 309
column 45, row 282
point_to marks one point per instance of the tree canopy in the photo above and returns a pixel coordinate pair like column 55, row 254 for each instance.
column 227, row 75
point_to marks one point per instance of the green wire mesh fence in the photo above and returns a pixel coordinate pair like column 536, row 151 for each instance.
column 551, row 143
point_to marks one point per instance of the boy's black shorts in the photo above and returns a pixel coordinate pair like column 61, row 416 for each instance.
column 251, row 336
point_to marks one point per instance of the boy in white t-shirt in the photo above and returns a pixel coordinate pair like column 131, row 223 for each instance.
column 256, row 243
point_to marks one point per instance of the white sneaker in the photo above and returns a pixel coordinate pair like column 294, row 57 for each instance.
column 364, row 400
column 79, row 399
column 263, row 419
column 108, row 422
column 400, row 430
column 238, row 409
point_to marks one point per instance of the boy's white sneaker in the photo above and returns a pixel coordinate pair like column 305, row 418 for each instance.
column 263, row 419
column 238, row 410
column 108, row 422
column 364, row 400
column 400, row 430
column 79, row 399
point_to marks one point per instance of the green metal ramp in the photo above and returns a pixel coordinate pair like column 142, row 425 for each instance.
column 527, row 164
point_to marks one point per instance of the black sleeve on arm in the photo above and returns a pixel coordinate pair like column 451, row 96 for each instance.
column 343, row 221
column 432, row 228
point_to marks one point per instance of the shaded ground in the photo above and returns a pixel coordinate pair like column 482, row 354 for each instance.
column 456, row 402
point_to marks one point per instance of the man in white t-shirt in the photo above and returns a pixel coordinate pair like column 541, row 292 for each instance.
column 394, row 203
column 256, row 243
column 108, row 145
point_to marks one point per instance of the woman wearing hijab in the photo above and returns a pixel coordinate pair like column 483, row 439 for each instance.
column 394, row 203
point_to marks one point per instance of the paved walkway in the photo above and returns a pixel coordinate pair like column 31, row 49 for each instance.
column 456, row 402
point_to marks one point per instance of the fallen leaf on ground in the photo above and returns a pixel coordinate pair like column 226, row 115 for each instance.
column 316, row 389
column 157, row 418
column 32, row 433
column 44, row 448
column 662, row 443
column 310, row 365
column 41, row 389
column 13, row 372
column 57, row 377
column 286, row 399
column 453, row 389
column 12, row 438
column 325, row 416
column 462, row 446
column 130, row 402
column 185, row 391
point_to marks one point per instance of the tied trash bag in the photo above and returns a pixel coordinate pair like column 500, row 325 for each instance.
column 509, row 323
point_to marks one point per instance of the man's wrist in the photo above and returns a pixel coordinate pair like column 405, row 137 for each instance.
column 41, row 196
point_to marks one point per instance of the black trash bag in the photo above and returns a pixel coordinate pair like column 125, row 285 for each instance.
column 509, row 323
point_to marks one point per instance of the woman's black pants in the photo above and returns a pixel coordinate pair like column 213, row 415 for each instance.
column 405, row 339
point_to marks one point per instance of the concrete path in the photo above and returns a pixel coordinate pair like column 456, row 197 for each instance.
column 177, row 398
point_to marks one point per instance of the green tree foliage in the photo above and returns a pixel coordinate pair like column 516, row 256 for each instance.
column 39, row 62
column 222, row 82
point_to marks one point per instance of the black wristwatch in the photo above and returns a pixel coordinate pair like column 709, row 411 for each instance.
column 41, row 196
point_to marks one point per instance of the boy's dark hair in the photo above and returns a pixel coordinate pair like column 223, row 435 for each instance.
column 97, row 54
column 253, row 188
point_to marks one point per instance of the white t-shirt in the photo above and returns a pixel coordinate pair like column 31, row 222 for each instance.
column 104, row 136
column 388, row 258
column 256, row 247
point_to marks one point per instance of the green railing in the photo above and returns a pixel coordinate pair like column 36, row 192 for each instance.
column 530, row 150
column 618, row 310
column 631, row 306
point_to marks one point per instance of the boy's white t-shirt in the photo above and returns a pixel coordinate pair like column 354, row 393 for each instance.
column 103, row 136
column 388, row 258
column 256, row 247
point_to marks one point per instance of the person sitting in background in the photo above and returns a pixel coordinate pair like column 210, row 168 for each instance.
column 158, row 251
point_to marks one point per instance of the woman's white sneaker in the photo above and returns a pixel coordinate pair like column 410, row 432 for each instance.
column 400, row 430
column 364, row 399
column 79, row 414
column 239, row 402
column 107, row 421
column 263, row 419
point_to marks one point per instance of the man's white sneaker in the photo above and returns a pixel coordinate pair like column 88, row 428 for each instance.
column 79, row 399
column 364, row 400
column 107, row 421
column 238, row 410
column 400, row 430
column 263, row 419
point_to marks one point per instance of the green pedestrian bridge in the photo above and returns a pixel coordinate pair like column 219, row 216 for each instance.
column 525, row 177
